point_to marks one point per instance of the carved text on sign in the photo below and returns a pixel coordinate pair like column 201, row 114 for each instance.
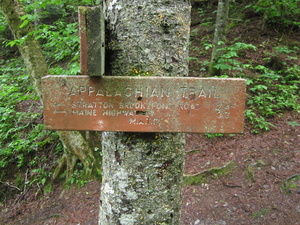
column 144, row 104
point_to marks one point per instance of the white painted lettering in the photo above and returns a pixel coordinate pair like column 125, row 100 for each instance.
column 132, row 121
column 154, row 93
column 100, row 92
column 139, row 92
column 72, row 91
column 144, row 121
column 84, row 112
column 128, row 92
column 166, row 93
column 82, row 89
column 202, row 94
column 91, row 90
column 116, row 112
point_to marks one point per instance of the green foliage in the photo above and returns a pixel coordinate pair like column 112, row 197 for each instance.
column 273, row 75
column 273, row 85
column 214, row 135
column 22, row 135
column 78, row 178
column 293, row 123
column 60, row 41
column 290, row 184
column 3, row 24
column 260, row 213
column 274, row 88
column 25, row 146
column 280, row 12
column 205, row 20
column 214, row 172
column 57, row 31
column 56, row 7
column 228, row 61
column 272, row 92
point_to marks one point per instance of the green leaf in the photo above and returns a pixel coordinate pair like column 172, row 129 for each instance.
column 223, row 66
column 25, row 23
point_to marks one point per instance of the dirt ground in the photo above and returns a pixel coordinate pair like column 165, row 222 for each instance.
column 263, row 187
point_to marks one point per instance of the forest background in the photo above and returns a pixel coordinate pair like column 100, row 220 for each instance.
column 261, row 45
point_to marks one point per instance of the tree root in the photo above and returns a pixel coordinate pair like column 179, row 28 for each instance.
column 198, row 178
column 77, row 148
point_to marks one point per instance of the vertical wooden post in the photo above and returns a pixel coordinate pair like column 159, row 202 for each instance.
column 92, row 40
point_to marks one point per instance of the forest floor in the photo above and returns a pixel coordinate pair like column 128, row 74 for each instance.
column 261, row 186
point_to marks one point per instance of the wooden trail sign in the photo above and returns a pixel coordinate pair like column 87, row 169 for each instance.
column 92, row 40
column 144, row 104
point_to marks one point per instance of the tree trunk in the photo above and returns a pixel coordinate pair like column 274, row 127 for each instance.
column 76, row 146
column 142, row 172
column 219, row 36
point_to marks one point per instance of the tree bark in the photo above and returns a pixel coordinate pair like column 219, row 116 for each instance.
column 142, row 172
column 219, row 36
column 76, row 146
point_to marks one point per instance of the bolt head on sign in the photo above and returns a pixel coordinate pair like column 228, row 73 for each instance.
column 144, row 104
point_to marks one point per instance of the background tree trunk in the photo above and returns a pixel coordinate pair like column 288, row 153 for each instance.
column 142, row 172
column 219, row 36
column 76, row 146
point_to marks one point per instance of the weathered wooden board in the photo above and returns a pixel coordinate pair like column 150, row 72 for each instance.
column 144, row 104
column 92, row 40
